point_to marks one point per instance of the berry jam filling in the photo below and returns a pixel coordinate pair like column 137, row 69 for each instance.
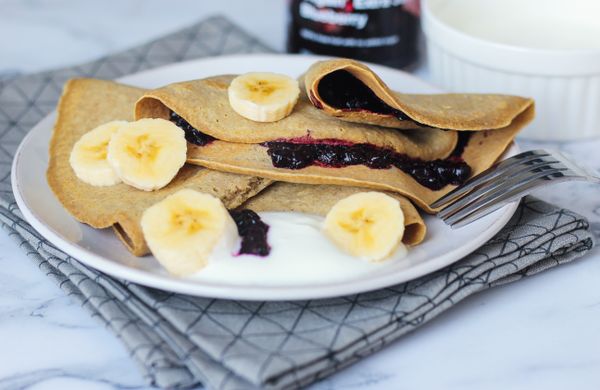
column 463, row 140
column 192, row 135
column 341, row 90
column 253, row 232
column 432, row 174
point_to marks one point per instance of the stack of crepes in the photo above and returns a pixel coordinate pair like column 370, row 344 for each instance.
column 234, row 163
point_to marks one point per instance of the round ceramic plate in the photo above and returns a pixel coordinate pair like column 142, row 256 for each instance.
column 101, row 250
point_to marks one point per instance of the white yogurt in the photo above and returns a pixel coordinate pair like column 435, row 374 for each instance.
column 541, row 24
column 300, row 255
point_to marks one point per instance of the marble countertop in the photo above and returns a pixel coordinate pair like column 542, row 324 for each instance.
column 539, row 333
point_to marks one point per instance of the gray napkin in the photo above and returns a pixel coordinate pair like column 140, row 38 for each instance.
column 181, row 341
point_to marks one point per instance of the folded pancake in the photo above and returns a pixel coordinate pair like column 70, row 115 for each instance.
column 87, row 103
column 204, row 107
column 482, row 149
column 319, row 199
column 351, row 91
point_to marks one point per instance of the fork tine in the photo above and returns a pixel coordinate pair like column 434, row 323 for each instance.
column 509, row 197
column 591, row 175
column 491, row 196
column 490, row 203
column 490, row 173
column 520, row 173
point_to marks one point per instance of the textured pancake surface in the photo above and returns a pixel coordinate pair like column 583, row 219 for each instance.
column 204, row 104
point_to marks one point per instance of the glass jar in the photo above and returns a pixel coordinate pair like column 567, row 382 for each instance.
column 381, row 31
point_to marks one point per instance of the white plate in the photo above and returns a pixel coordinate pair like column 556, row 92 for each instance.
column 100, row 249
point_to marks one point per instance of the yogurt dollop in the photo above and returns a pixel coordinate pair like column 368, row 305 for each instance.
column 300, row 255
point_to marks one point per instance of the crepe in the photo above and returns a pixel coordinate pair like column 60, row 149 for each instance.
column 443, row 111
column 481, row 151
column 87, row 103
column 204, row 104
column 319, row 199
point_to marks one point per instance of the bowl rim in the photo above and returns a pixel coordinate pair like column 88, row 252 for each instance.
column 506, row 57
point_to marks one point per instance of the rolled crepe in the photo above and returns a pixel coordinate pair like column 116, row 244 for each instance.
column 443, row 111
column 480, row 152
column 319, row 199
column 204, row 104
column 87, row 103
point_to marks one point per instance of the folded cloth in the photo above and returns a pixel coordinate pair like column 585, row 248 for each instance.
column 180, row 341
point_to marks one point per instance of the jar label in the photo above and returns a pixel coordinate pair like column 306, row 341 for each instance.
column 371, row 30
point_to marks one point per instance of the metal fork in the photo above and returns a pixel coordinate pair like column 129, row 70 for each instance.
column 505, row 182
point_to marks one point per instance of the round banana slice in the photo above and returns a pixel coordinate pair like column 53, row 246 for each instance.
column 148, row 153
column 88, row 156
column 263, row 97
column 368, row 225
column 186, row 229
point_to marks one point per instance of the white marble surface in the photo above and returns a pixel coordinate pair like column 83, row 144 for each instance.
column 539, row 333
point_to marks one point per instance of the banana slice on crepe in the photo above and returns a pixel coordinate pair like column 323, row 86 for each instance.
column 367, row 225
column 88, row 156
column 185, row 230
column 148, row 153
column 263, row 97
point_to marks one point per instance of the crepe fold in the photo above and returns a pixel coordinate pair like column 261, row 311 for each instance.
column 319, row 199
column 444, row 111
column 87, row 103
column 204, row 104
column 480, row 152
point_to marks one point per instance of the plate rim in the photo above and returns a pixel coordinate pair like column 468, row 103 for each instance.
column 263, row 293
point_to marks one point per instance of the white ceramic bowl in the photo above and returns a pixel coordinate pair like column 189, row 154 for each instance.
column 545, row 49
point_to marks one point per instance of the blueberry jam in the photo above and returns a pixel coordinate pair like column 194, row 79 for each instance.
column 192, row 135
column 432, row 174
column 341, row 90
column 253, row 232
column 463, row 140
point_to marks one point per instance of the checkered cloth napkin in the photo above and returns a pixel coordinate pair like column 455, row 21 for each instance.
column 181, row 341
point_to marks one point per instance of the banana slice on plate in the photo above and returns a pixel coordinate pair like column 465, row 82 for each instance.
column 367, row 225
column 88, row 157
column 187, row 229
column 263, row 97
column 148, row 153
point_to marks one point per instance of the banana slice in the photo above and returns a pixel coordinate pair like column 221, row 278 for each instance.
column 88, row 157
column 263, row 97
column 188, row 229
column 148, row 153
column 368, row 225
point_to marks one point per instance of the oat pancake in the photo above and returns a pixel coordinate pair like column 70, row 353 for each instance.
column 87, row 103
column 481, row 151
column 331, row 79
column 204, row 104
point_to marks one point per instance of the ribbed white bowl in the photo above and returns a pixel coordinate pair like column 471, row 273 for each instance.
column 564, row 83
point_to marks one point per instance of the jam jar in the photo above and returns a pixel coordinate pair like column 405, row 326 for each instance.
column 380, row 31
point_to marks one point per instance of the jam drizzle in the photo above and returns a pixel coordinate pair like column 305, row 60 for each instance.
column 192, row 135
column 253, row 232
column 434, row 174
column 301, row 152
column 461, row 144
column 341, row 90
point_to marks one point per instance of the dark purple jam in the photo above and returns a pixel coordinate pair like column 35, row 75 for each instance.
column 341, row 90
column 463, row 140
column 192, row 135
column 432, row 174
column 253, row 232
